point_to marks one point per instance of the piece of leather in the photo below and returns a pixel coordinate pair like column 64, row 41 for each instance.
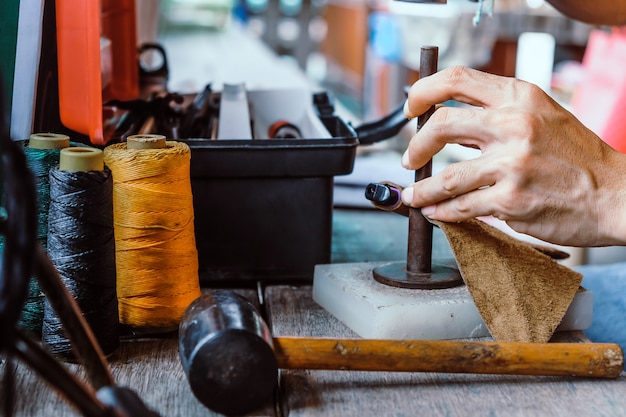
column 521, row 293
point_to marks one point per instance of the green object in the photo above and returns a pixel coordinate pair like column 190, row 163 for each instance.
column 9, row 12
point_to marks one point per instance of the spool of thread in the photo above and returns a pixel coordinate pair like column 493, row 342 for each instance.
column 156, row 256
column 81, row 245
column 42, row 153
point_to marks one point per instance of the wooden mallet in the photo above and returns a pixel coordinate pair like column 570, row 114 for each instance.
column 232, row 361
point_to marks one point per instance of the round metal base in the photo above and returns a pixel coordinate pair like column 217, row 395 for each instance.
column 396, row 275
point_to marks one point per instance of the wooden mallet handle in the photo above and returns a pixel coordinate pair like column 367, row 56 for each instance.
column 549, row 359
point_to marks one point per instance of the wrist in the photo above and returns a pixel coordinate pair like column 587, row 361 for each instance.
column 611, row 204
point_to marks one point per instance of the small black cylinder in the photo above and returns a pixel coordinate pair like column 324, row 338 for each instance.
column 226, row 352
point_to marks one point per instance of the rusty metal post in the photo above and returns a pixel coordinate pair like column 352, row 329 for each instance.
column 420, row 245
column 418, row 271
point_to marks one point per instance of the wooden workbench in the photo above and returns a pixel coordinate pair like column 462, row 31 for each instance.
column 151, row 366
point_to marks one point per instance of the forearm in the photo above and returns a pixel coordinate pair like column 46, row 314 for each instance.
column 598, row 12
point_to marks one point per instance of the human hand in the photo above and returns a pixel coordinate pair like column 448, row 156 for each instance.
column 540, row 170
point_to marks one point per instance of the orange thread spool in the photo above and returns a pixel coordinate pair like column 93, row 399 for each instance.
column 156, row 256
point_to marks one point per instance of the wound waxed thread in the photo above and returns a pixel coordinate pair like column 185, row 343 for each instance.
column 81, row 245
column 156, row 256
column 42, row 153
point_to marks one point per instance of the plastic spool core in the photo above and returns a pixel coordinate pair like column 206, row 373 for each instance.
column 48, row 141
column 136, row 142
column 79, row 159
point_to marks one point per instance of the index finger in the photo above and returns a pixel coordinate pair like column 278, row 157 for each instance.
column 462, row 84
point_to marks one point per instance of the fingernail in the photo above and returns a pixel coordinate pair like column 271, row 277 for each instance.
column 407, row 196
column 407, row 112
column 405, row 159
column 428, row 210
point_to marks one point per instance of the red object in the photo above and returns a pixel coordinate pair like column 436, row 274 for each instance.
column 283, row 129
column 79, row 31
column 599, row 99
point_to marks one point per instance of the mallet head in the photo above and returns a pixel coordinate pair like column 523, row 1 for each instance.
column 226, row 352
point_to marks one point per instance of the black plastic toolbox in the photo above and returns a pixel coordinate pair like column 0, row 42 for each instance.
column 263, row 207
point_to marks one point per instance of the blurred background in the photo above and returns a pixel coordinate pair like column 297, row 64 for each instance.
column 364, row 51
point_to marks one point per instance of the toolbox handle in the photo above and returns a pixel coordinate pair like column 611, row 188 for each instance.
column 367, row 133
column 382, row 129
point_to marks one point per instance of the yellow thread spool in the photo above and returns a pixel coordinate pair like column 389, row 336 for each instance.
column 156, row 256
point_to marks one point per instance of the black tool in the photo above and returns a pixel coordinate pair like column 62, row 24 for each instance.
column 226, row 352
column 197, row 119
column 382, row 194
column 164, row 108
column 387, row 196
column 153, row 66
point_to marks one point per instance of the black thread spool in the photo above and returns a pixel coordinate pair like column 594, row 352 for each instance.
column 81, row 246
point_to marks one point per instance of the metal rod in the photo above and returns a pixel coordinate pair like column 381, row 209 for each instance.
column 420, row 243
column 80, row 395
